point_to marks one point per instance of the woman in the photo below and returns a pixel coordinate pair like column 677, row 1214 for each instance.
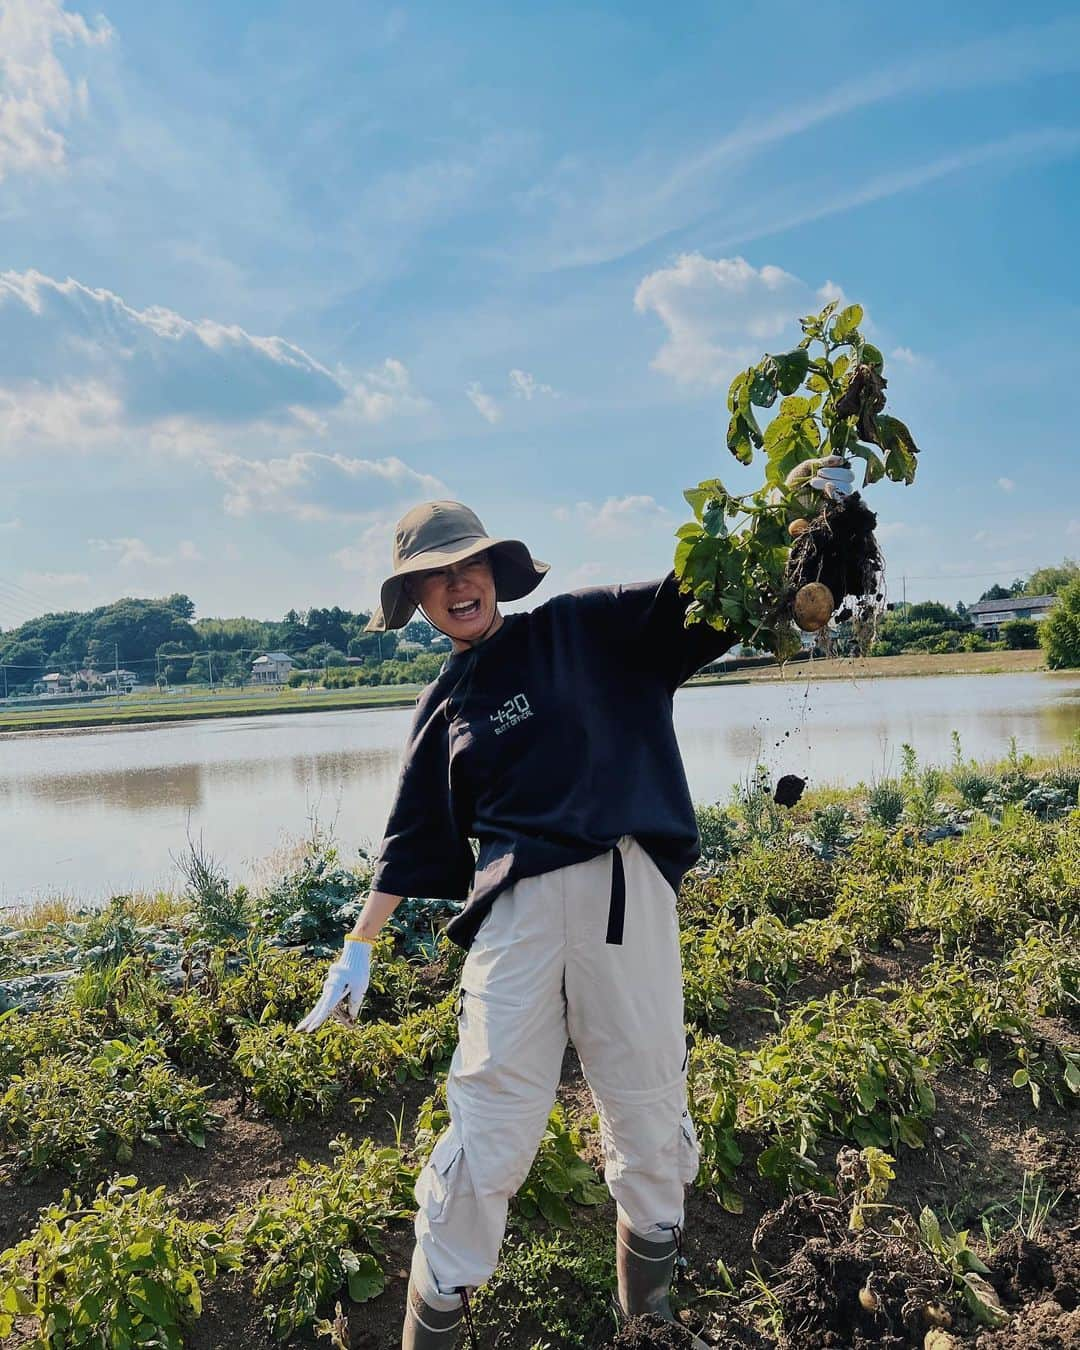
column 548, row 737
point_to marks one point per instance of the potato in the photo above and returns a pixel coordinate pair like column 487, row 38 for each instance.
column 798, row 527
column 814, row 605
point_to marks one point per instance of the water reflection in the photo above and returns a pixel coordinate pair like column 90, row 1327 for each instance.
column 97, row 812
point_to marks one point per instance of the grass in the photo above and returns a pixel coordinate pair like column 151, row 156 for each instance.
column 881, row 667
column 136, row 709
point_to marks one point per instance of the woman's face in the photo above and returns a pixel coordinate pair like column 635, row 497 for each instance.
column 459, row 599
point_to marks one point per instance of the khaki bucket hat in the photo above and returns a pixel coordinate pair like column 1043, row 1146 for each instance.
column 436, row 534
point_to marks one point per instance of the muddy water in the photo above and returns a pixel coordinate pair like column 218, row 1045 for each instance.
column 97, row 812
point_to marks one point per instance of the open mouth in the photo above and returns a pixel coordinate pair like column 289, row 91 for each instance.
column 465, row 609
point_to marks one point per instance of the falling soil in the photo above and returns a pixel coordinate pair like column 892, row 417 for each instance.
column 839, row 551
column 789, row 790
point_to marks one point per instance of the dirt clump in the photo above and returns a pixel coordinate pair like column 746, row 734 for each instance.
column 1039, row 1282
column 650, row 1332
column 839, row 551
column 860, row 1290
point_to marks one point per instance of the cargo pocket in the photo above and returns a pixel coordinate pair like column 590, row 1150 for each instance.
column 689, row 1151
column 436, row 1182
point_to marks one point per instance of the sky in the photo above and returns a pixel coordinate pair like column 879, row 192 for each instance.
column 273, row 273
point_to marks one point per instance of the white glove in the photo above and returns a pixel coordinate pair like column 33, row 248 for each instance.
column 830, row 475
column 347, row 978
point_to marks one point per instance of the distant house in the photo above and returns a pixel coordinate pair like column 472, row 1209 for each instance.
column 989, row 615
column 273, row 668
column 54, row 684
column 409, row 647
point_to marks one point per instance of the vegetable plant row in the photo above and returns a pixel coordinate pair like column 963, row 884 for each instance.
column 135, row 1023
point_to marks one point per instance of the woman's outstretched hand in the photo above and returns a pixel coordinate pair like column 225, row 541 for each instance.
column 347, row 978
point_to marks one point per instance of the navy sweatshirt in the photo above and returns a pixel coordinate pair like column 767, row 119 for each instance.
column 547, row 743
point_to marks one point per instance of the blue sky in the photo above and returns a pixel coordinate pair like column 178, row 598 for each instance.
column 272, row 273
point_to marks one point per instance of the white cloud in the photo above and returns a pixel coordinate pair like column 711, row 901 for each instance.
column 1073, row 528
column 719, row 312
column 906, row 356
column 309, row 485
column 77, row 415
column 384, row 392
column 156, row 361
column 484, row 404
column 617, row 515
column 525, row 386
column 84, row 370
column 13, row 524
column 132, row 552
column 1006, row 484
column 37, row 95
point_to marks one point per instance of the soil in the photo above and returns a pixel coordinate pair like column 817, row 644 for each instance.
column 840, row 551
column 789, row 789
column 641, row 1333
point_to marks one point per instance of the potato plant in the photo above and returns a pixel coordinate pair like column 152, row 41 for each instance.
column 117, row 1271
column 81, row 1113
column 739, row 557
column 323, row 1232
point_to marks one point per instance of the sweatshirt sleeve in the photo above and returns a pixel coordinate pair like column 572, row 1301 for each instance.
column 650, row 616
column 425, row 851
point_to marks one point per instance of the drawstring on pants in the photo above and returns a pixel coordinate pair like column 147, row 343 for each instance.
column 680, row 1260
column 474, row 1344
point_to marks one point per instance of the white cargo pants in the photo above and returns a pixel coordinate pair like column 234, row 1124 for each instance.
column 557, row 956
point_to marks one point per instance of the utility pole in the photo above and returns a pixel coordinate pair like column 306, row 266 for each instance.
column 116, row 670
column 905, row 593
column 4, row 669
column 210, row 660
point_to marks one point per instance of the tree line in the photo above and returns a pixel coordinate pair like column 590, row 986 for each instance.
column 162, row 641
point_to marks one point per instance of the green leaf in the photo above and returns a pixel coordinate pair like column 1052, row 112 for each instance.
column 738, row 439
column 846, row 323
column 872, row 356
column 762, row 389
column 788, row 370
column 930, row 1229
column 1021, row 1078
column 366, row 1281
column 555, row 1210
column 982, row 1301
column 899, row 446
column 1072, row 1075
column 713, row 520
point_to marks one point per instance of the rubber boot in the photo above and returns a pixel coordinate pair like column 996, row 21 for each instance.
column 645, row 1269
column 428, row 1328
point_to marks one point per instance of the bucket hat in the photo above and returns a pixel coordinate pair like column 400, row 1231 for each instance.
column 436, row 534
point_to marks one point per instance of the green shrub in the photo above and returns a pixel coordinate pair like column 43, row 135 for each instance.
column 323, row 1233
column 1059, row 632
column 81, row 1113
column 885, row 803
column 1020, row 634
column 717, row 833
column 121, row 1271
column 219, row 912
column 318, row 901
column 559, row 1175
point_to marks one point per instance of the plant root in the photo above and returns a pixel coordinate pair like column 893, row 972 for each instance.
column 838, row 550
